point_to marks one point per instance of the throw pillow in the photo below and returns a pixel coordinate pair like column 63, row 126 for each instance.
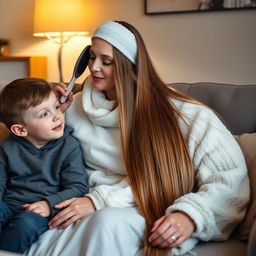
column 3, row 131
column 247, row 143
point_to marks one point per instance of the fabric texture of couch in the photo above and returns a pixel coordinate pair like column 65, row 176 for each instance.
column 236, row 105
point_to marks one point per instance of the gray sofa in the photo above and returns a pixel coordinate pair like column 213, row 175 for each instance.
column 236, row 105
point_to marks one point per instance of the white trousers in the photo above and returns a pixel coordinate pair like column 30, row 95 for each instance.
column 110, row 231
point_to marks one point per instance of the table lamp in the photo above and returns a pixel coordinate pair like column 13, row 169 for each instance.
column 59, row 21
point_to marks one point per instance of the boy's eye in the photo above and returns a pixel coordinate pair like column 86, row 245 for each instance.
column 57, row 107
column 44, row 114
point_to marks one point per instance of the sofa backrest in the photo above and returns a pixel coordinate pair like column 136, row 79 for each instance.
column 236, row 104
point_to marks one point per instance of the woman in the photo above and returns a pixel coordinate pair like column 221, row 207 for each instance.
column 165, row 172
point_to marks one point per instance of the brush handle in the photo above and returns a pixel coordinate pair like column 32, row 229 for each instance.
column 70, row 87
column 79, row 68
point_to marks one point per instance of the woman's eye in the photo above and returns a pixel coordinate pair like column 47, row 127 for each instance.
column 107, row 62
column 57, row 107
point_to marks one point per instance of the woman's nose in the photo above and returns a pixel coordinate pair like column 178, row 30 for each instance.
column 95, row 65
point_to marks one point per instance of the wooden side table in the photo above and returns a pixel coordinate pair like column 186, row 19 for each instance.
column 12, row 67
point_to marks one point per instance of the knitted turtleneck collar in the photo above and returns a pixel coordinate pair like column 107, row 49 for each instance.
column 99, row 110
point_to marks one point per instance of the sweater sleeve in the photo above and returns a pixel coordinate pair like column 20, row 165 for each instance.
column 118, row 194
column 221, row 179
column 74, row 178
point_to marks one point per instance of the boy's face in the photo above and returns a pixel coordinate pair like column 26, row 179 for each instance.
column 44, row 122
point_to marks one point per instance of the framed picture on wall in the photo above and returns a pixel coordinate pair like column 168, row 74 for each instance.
column 181, row 6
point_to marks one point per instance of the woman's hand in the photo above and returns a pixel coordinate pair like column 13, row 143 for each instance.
column 40, row 207
column 75, row 209
column 171, row 230
column 60, row 90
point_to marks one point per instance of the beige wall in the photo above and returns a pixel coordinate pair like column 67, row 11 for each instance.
column 192, row 47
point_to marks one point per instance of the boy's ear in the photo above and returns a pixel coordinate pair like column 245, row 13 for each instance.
column 19, row 130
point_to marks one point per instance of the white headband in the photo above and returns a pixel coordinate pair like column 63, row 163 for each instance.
column 120, row 37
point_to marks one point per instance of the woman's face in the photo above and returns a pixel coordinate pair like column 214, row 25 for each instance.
column 101, row 67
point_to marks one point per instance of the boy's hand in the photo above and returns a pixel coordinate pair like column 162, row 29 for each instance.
column 40, row 207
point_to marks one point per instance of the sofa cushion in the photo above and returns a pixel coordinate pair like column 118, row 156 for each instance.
column 236, row 104
column 231, row 247
column 247, row 143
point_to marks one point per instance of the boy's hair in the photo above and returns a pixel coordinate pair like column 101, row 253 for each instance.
column 19, row 95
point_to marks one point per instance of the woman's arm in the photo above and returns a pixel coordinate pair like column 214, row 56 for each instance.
column 219, row 202
column 116, row 195
column 222, row 193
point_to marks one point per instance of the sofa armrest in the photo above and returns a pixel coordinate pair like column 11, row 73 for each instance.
column 251, row 249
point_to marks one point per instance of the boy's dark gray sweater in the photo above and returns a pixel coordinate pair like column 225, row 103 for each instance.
column 55, row 172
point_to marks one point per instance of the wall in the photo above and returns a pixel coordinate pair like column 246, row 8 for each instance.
column 191, row 47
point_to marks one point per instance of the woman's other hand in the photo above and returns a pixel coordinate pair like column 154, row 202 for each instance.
column 171, row 230
column 75, row 209
column 60, row 90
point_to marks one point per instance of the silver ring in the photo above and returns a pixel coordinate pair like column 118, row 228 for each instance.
column 173, row 237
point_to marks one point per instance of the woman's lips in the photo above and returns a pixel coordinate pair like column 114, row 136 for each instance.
column 97, row 79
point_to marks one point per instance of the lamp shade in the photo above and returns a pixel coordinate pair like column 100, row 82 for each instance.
column 59, row 16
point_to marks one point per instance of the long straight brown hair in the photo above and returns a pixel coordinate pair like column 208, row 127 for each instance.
column 155, row 153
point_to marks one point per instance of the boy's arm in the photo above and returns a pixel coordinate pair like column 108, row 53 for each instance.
column 74, row 178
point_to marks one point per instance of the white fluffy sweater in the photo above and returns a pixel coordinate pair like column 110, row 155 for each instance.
column 221, row 173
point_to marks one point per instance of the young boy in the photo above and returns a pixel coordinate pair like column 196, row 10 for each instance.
column 41, row 163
